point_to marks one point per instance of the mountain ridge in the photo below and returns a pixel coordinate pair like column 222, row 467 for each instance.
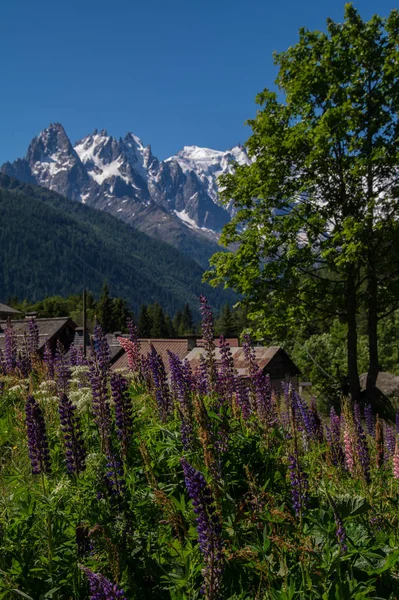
column 175, row 200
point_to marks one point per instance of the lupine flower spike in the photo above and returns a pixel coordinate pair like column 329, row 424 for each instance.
column 73, row 441
column 98, row 375
column 39, row 453
column 102, row 588
column 299, row 484
column 209, row 529
column 123, row 411
column 162, row 391
column 209, row 344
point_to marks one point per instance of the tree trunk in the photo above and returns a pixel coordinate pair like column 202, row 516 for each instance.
column 353, row 374
column 372, row 318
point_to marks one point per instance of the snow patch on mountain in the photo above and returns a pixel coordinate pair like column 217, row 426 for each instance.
column 183, row 216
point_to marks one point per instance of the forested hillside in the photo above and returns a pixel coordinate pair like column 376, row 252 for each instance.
column 50, row 245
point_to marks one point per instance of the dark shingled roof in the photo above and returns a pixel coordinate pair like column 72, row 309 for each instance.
column 48, row 329
column 177, row 346
column 7, row 310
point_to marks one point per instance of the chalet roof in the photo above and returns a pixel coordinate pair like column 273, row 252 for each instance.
column 177, row 346
column 48, row 329
column 7, row 310
column 264, row 356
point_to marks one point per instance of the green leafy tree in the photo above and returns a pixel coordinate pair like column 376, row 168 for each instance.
column 312, row 207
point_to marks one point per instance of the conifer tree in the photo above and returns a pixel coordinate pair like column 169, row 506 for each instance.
column 144, row 322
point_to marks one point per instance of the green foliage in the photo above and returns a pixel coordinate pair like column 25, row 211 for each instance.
column 322, row 357
column 316, row 228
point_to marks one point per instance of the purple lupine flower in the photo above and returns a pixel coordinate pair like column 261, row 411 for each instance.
column 340, row 533
column 334, row 439
column 362, row 450
column 33, row 338
column 98, row 375
column 201, row 377
column 300, row 411
column 76, row 356
column 189, row 375
column 209, row 528
column 397, row 422
column 181, row 384
column 209, row 344
column 227, row 375
column 242, row 397
column 114, row 479
column 162, row 391
column 264, row 404
column 61, row 370
column 10, row 347
column 370, row 420
column 123, row 411
column 102, row 588
column 390, row 440
column 39, row 453
column 75, row 453
column 182, row 390
column 48, row 360
column 250, row 356
column 100, row 348
column 146, row 371
column 186, row 432
column 299, row 484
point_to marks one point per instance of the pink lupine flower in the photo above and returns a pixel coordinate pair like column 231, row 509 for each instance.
column 395, row 461
column 348, row 449
column 133, row 357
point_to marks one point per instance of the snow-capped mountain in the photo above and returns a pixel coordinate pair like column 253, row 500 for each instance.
column 209, row 164
column 175, row 200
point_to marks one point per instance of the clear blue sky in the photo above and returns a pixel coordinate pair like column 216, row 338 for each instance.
column 173, row 72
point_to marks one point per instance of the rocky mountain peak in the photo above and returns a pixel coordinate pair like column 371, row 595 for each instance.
column 52, row 141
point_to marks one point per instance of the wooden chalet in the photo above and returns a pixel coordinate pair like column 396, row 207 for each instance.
column 272, row 360
column 50, row 330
